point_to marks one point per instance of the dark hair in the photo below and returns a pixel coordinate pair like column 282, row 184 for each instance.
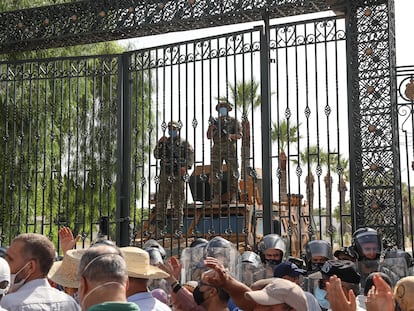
column 223, row 295
column 38, row 247
column 369, row 281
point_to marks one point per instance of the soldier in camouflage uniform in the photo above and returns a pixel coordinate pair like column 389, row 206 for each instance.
column 225, row 131
column 177, row 156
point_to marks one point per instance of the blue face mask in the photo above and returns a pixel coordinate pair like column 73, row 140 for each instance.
column 320, row 295
column 223, row 111
column 173, row 133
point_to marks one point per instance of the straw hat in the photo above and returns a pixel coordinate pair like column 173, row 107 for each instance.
column 65, row 272
column 138, row 264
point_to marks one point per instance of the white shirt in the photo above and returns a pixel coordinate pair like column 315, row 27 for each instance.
column 37, row 295
column 313, row 304
column 146, row 302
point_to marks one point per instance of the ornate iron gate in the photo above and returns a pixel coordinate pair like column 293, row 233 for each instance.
column 79, row 133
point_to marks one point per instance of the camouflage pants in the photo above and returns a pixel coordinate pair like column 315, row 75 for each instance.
column 170, row 190
column 225, row 151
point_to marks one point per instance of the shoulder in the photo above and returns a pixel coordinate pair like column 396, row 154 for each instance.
column 114, row 306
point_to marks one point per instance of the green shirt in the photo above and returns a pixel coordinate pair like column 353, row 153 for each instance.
column 114, row 306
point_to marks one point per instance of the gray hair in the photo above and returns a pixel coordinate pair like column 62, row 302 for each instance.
column 103, row 263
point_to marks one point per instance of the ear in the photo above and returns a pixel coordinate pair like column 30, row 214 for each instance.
column 127, row 284
column 83, row 286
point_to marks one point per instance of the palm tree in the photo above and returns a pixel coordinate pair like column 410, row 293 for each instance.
column 284, row 133
column 310, row 158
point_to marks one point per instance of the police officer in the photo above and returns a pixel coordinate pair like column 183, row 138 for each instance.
column 317, row 252
column 224, row 131
column 271, row 249
column 177, row 156
column 367, row 247
column 249, row 268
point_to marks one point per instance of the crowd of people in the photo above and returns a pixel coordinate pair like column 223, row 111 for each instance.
column 208, row 275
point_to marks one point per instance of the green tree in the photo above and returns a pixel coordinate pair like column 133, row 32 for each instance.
column 59, row 129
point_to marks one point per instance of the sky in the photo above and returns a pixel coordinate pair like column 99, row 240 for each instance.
column 403, row 24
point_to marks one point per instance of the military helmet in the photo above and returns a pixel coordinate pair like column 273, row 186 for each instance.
column 174, row 124
column 224, row 103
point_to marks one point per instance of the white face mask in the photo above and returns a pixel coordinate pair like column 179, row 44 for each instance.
column 14, row 286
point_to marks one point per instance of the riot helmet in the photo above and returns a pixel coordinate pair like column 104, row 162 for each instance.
column 215, row 245
column 317, row 252
column 155, row 256
column 224, row 251
column 154, row 244
column 366, row 243
column 199, row 242
column 271, row 249
column 250, row 268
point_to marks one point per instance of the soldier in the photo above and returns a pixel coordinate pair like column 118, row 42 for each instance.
column 224, row 131
column 177, row 156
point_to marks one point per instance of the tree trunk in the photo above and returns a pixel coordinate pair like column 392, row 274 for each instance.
column 328, row 195
column 245, row 148
column 283, row 181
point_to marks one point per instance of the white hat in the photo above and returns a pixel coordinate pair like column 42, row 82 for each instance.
column 4, row 275
column 278, row 292
column 138, row 264
column 65, row 272
column 403, row 293
column 4, row 270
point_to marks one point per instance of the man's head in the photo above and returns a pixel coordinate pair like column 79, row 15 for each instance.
column 223, row 107
column 30, row 256
column 279, row 295
column 317, row 252
column 272, row 249
column 249, row 268
column 366, row 242
column 102, row 275
column 403, row 293
column 173, row 128
column 288, row 271
column 343, row 269
column 207, row 295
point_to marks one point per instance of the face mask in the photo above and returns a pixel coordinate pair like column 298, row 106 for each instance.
column 173, row 133
column 320, row 295
column 14, row 286
column 223, row 111
column 198, row 295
